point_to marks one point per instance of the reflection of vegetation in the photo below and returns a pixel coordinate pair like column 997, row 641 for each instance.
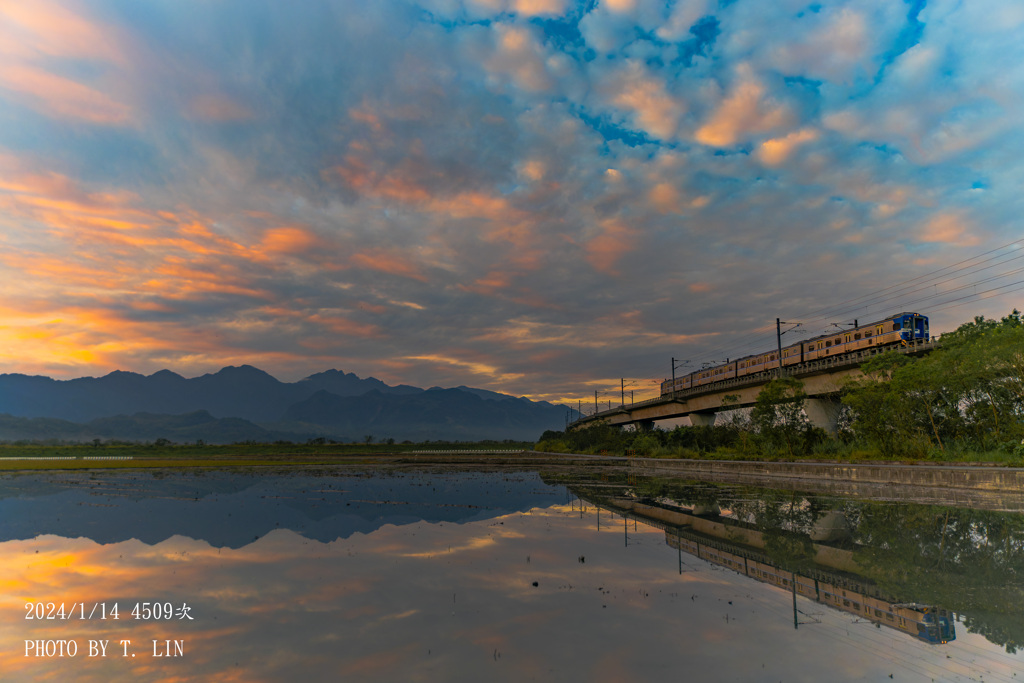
column 969, row 561
column 784, row 520
column 686, row 493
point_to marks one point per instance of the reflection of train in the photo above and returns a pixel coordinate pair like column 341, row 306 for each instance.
column 931, row 624
column 891, row 332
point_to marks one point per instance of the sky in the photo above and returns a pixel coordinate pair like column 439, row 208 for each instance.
column 540, row 197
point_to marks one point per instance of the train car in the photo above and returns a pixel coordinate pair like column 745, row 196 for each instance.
column 898, row 330
column 891, row 332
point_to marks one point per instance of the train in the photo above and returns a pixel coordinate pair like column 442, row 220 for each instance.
column 895, row 331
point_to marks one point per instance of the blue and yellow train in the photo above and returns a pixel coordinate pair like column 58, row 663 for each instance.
column 892, row 332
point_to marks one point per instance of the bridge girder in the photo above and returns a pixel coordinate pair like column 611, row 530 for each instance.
column 822, row 406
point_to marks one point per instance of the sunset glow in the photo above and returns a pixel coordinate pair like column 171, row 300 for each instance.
column 519, row 195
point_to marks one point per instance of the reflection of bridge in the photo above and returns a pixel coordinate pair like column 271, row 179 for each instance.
column 822, row 380
column 831, row 579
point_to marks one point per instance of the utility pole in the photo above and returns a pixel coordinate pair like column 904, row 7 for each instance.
column 796, row 622
column 622, row 389
column 674, row 364
column 778, row 338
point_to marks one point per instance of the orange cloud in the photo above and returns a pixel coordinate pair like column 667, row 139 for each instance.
column 491, row 283
column 653, row 109
column 604, row 251
column 742, row 113
column 539, row 7
column 520, row 57
column 665, row 198
column 345, row 326
column 186, row 280
column 476, row 367
column 777, row 150
column 364, row 114
column 387, row 261
column 398, row 186
column 74, row 337
column 504, row 222
column 61, row 97
column 53, row 271
column 289, row 240
column 950, row 228
column 52, row 29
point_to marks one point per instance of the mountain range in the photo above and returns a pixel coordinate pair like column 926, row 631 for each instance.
column 247, row 404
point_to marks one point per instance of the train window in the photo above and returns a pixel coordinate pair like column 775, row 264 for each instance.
column 857, row 336
column 828, row 343
column 895, row 326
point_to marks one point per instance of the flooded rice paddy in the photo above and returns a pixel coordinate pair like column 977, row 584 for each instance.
column 429, row 575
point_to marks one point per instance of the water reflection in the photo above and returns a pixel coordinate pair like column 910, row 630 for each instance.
column 496, row 576
column 939, row 559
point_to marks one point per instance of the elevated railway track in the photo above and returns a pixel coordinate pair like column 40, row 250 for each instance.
column 823, row 380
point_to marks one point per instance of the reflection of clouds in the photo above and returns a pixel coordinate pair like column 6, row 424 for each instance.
column 396, row 604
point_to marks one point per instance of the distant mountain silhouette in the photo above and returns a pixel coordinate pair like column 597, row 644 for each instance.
column 245, row 392
column 427, row 415
column 245, row 403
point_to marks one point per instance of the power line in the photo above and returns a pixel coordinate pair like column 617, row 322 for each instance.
column 880, row 303
column 828, row 310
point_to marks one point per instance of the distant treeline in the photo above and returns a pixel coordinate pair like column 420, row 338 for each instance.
column 165, row 449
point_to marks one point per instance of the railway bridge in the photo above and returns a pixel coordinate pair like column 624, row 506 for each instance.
column 823, row 380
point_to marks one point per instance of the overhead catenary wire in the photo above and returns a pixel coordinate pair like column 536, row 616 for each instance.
column 881, row 303
column 828, row 310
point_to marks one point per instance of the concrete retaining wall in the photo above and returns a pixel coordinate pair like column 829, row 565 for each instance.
column 941, row 476
column 990, row 488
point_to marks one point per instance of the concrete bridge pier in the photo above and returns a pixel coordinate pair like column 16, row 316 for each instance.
column 702, row 418
column 644, row 425
column 824, row 413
